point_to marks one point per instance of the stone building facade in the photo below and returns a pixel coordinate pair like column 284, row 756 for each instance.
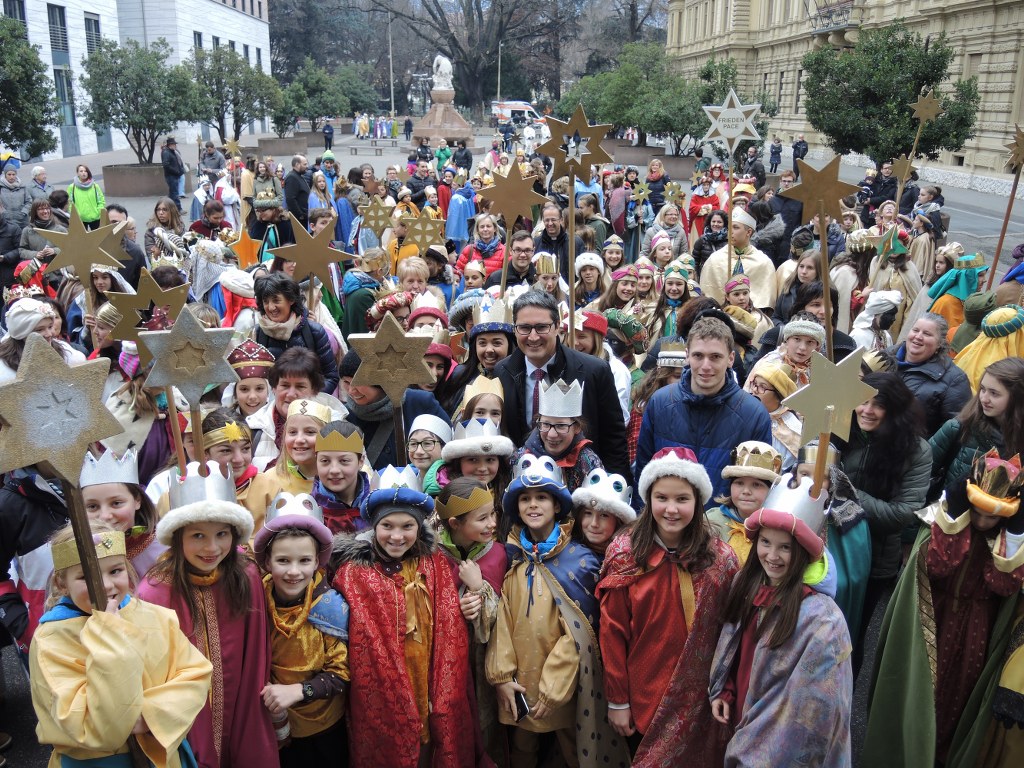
column 769, row 38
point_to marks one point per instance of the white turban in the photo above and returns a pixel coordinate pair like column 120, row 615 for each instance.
column 23, row 316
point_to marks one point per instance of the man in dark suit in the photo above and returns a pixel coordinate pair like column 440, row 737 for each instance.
column 541, row 357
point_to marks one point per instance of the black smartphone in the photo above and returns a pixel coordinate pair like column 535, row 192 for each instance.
column 522, row 708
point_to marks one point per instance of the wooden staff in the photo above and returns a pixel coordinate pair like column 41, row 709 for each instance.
column 1002, row 232
column 572, row 254
column 179, row 446
column 728, row 227
column 84, row 543
column 821, row 461
column 504, row 271
column 310, row 291
column 398, row 418
column 913, row 151
column 197, row 439
column 826, row 297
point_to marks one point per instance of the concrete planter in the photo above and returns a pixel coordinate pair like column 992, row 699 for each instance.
column 296, row 145
column 138, row 181
column 628, row 155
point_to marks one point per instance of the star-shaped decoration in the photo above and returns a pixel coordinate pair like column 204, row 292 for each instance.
column 575, row 145
column 424, row 231
column 132, row 305
column 114, row 244
column 377, row 216
column 189, row 357
column 80, row 248
column 732, row 122
column 391, row 359
column 827, row 403
column 311, row 254
column 902, row 167
column 675, row 194
column 927, row 107
column 403, row 173
column 233, row 147
column 820, row 186
column 1016, row 148
column 246, row 249
column 459, row 350
column 512, row 195
column 52, row 412
column 888, row 242
column 641, row 192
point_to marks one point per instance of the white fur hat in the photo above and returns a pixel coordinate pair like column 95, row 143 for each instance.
column 676, row 462
column 213, row 511
column 605, row 492
column 477, row 437
column 589, row 259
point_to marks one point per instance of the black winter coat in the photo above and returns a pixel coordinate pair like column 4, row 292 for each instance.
column 311, row 335
column 940, row 387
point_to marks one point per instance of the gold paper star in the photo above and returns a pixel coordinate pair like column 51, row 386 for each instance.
column 927, row 107
column 827, row 403
column 233, row 147
column 902, row 167
column 888, row 242
column 1016, row 148
column 824, row 186
column 403, row 173
column 732, row 122
column 575, row 145
column 641, row 192
column 675, row 194
column 512, row 195
column 311, row 254
column 132, row 305
column 80, row 248
column 52, row 412
column 246, row 249
column 377, row 216
column 189, row 357
column 459, row 350
column 423, row 231
column 391, row 359
column 114, row 244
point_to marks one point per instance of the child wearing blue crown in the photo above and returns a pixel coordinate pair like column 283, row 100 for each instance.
column 544, row 643
column 308, row 634
column 411, row 697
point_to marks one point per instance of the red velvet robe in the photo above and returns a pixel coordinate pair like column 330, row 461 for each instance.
column 234, row 728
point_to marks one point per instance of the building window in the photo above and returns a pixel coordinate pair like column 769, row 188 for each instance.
column 58, row 27
column 799, row 84
column 62, row 81
column 197, row 40
column 764, row 83
column 259, row 5
column 234, row 3
column 245, row 52
column 93, row 38
column 15, row 9
column 215, row 41
column 778, row 97
column 259, row 59
column 231, row 44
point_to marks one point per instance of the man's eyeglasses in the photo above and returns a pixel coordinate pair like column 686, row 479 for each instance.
column 426, row 445
column 542, row 329
column 522, row 251
column 559, row 429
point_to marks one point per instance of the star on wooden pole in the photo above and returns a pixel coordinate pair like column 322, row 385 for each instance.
column 312, row 254
column 392, row 360
column 575, row 145
column 246, row 249
column 377, row 216
column 902, row 167
column 732, row 122
column 641, row 192
column 423, row 231
column 927, row 107
column 51, row 413
column 512, row 196
column 1016, row 162
column 675, row 194
column 888, row 242
column 233, row 147
column 80, row 248
column 132, row 305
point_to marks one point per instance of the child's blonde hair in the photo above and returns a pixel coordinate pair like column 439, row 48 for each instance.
column 57, row 586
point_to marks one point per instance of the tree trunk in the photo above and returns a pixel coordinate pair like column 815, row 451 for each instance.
column 641, row 138
column 633, row 33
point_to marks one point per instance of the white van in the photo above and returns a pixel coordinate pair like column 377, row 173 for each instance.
column 518, row 112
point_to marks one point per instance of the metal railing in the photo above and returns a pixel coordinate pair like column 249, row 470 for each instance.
column 826, row 15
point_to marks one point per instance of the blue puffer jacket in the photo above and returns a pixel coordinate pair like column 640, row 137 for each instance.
column 710, row 426
column 311, row 335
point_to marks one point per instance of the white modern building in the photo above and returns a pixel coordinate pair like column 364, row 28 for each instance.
column 67, row 30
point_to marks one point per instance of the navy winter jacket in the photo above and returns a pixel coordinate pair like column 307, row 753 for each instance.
column 709, row 425
column 311, row 335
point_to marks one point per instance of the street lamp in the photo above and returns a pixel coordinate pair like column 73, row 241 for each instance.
column 391, row 68
column 499, row 70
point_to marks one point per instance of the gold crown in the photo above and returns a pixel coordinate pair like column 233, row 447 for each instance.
column 335, row 441
column 758, row 457
column 969, row 262
column 546, row 263
column 458, row 506
column 310, row 408
column 107, row 544
column 229, row 433
column 995, row 484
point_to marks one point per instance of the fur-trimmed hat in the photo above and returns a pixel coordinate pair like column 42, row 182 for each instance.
column 603, row 492
column 477, row 437
column 804, row 328
column 212, row 511
column 589, row 259
column 676, row 462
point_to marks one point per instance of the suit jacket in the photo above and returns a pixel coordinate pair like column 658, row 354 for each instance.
column 603, row 417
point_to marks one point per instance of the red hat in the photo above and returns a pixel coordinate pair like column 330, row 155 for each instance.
column 595, row 321
column 251, row 360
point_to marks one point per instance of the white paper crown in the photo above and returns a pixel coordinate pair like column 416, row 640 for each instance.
column 798, row 502
column 108, row 468
column 475, row 428
column 492, row 312
column 538, row 466
column 562, row 400
column 426, row 300
column 392, row 477
column 606, row 492
column 298, row 505
column 219, row 485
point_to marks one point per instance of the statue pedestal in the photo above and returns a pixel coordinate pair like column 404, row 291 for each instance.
column 442, row 121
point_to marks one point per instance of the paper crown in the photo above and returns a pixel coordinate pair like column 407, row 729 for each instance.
column 477, row 437
column 458, row 506
column 546, row 263
column 429, row 305
column 995, row 484
column 298, row 505
column 108, row 544
column 108, row 468
column 492, row 314
column 672, row 354
column 482, row 385
column 391, row 478
column 475, row 266
column 808, row 454
column 561, row 400
column 310, row 408
column 537, row 466
column 754, row 459
column 335, row 441
column 794, row 510
column 219, row 485
column 229, row 433
column 607, row 493
column 299, row 511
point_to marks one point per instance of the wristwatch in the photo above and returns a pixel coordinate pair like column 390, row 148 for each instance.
column 307, row 692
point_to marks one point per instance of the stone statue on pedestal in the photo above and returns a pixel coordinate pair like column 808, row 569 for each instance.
column 443, row 73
